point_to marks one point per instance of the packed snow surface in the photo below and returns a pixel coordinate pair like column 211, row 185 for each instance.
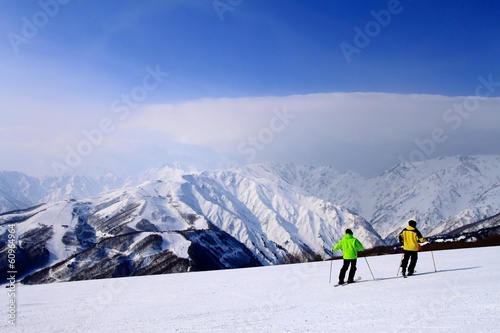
column 462, row 296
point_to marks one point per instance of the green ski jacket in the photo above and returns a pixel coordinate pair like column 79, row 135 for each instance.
column 349, row 246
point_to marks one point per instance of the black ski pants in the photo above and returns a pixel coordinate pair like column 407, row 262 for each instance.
column 345, row 267
column 412, row 257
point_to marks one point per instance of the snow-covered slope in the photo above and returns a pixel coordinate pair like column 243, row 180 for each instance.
column 462, row 296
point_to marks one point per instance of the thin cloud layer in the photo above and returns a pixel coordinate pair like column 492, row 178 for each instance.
column 364, row 132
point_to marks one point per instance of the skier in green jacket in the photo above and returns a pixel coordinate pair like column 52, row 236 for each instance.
column 350, row 247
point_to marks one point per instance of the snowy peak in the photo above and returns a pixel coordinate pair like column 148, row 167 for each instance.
column 166, row 172
column 69, row 187
column 323, row 181
column 18, row 191
column 440, row 194
column 272, row 218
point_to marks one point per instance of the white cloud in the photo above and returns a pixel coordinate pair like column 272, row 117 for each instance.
column 361, row 131
column 206, row 122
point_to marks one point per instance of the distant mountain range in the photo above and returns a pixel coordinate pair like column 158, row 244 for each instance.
column 174, row 220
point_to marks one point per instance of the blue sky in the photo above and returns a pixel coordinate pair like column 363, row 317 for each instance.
column 227, row 67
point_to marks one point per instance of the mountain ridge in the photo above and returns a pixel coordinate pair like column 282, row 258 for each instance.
column 267, row 212
column 379, row 200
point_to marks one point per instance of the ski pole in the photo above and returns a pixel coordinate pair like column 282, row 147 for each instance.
column 397, row 274
column 369, row 268
column 432, row 254
column 330, row 276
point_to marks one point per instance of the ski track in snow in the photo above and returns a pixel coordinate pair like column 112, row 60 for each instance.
column 463, row 296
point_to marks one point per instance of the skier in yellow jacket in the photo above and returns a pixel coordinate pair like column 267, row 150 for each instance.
column 411, row 238
column 350, row 247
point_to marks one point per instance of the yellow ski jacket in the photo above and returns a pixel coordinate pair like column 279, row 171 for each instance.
column 410, row 237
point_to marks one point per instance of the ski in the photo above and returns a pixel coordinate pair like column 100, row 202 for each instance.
column 355, row 280
column 345, row 284
column 406, row 275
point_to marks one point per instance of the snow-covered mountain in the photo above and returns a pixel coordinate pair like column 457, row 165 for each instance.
column 215, row 219
column 440, row 194
column 19, row 191
column 173, row 219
